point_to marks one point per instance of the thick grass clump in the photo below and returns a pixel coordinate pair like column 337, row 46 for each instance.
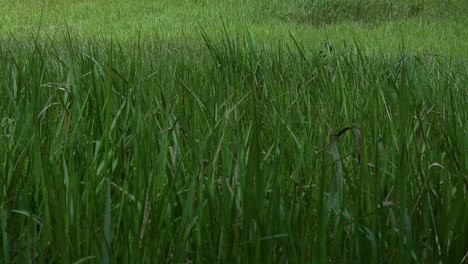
column 323, row 13
column 231, row 153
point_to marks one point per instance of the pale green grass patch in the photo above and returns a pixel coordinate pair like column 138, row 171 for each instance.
column 380, row 25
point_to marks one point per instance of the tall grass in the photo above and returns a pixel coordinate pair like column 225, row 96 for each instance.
column 230, row 153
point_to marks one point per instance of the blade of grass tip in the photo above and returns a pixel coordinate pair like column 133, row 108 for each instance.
column 335, row 198
column 214, row 53
column 228, row 43
column 299, row 46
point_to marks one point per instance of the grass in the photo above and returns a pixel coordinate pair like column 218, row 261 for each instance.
column 216, row 155
column 435, row 27
column 218, row 145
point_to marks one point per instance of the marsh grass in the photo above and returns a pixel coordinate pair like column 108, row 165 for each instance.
column 230, row 153
column 323, row 13
column 429, row 26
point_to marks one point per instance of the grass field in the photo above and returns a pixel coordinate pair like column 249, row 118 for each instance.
column 233, row 132
column 432, row 26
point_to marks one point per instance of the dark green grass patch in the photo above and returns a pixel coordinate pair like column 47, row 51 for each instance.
column 230, row 152
column 323, row 13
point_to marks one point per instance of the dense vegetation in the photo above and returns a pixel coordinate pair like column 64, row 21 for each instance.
column 228, row 147
column 424, row 26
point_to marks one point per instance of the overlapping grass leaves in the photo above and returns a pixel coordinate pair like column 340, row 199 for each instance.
column 230, row 153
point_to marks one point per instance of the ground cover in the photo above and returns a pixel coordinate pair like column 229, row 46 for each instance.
column 423, row 26
column 222, row 144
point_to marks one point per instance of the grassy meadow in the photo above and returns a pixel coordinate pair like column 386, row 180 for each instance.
column 233, row 131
